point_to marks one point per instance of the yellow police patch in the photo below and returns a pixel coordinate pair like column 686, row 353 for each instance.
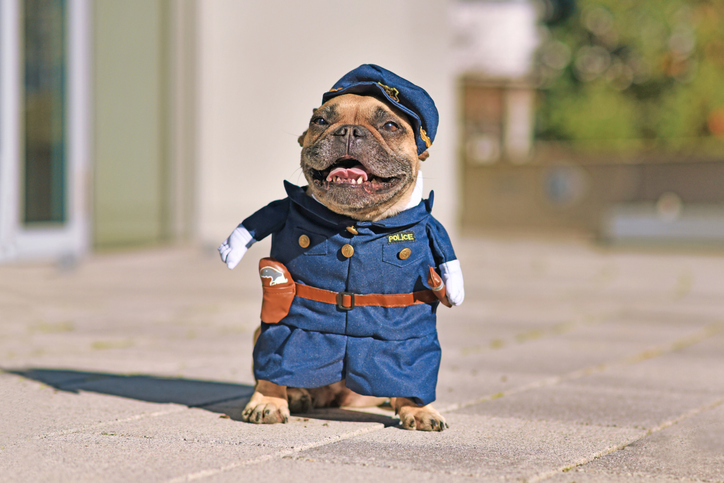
column 404, row 236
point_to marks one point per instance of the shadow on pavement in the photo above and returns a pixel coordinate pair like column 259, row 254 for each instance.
column 350, row 415
column 218, row 397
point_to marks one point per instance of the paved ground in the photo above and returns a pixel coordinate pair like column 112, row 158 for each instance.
column 566, row 363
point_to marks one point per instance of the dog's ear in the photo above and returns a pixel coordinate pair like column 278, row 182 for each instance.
column 423, row 156
column 300, row 139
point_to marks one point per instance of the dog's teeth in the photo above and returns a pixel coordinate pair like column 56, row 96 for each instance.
column 359, row 180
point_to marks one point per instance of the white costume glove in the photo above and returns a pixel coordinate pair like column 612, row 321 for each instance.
column 234, row 248
column 452, row 276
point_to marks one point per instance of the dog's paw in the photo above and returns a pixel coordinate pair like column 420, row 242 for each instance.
column 266, row 410
column 423, row 418
column 300, row 401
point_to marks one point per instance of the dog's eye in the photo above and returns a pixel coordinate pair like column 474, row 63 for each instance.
column 319, row 121
column 391, row 126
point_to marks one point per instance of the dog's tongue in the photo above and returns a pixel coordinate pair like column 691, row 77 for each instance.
column 348, row 173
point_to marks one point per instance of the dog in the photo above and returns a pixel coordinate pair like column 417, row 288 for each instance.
column 358, row 264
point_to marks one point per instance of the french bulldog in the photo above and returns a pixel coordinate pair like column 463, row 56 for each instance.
column 358, row 264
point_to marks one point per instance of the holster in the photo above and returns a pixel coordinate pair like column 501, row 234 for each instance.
column 278, row 290
column 438, row 287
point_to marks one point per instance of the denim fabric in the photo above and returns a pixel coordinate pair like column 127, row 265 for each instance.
column 380, row 351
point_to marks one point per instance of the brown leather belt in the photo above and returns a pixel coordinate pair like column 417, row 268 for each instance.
column 348, row 300
column 279, row 291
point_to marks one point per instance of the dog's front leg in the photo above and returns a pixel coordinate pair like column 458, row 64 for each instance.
column 413, row 416
column 267, row 405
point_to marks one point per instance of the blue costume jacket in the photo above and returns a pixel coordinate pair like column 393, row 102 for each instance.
column 380, row 351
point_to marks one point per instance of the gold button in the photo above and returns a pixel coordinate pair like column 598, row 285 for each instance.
column 304, row 241
column 352, row 230
column 348, row 250
column 404, row 254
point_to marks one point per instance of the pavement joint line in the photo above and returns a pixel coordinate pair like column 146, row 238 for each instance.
column 618, row 447
column 692, row 339
column 135, row 417
column 280, row 454
column 554, row 330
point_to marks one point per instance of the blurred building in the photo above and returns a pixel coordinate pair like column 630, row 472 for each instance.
column 140, row 122
column 137, row 122
column 598, row 118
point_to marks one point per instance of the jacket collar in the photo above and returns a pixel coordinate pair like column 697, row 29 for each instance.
column 416, row 193
column 408, row 217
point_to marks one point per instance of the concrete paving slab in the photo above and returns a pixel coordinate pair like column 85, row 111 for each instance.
column 696, row 368
column 31, row 410
column 116, row 456
column 229, row 362
column 572, row 352
column 507, row 449
column 554, row 341
column 597, row 405
column 167, row 446
column 163, row 390
column 522, row 364
column 462, row 384
column 291, row 469
column 691, row 450
column 574, row 476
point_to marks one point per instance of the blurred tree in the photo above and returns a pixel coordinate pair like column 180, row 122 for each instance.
column 555, row 11
column 634, row 73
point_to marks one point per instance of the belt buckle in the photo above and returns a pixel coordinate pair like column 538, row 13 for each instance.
column 340, row 304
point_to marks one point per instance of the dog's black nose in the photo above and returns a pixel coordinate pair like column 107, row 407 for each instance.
column 351, row 130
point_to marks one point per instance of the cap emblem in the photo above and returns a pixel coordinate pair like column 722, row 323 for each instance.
column 391, row 91
column 425, row 137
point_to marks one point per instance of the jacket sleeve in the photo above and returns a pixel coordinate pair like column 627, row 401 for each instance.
column 447, row 262
column 267, row 220
column 442, row 249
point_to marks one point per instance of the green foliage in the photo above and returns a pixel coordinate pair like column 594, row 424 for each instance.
column 649, row 71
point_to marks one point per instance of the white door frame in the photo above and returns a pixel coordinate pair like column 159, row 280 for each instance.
column 72, row 237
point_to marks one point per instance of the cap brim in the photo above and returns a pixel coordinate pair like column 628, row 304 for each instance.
column 365, row 88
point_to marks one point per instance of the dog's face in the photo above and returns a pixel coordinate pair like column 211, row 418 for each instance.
column 359, row 157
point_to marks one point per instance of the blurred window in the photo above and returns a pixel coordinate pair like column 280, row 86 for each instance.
column 44, row 81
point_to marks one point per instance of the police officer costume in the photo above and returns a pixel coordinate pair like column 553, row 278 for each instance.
column 389, row 349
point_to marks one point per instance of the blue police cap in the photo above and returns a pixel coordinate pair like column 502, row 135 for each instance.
column 370, row 79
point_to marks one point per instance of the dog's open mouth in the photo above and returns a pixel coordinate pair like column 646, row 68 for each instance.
column 350, row 173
